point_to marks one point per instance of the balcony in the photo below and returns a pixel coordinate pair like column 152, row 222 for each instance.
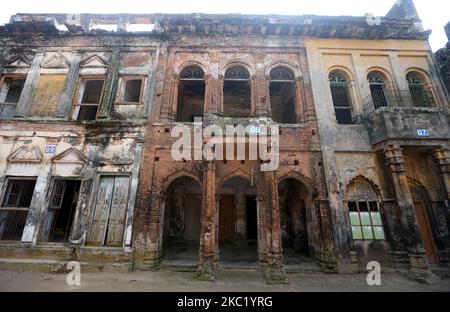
column 401, row 99
column 403, row 115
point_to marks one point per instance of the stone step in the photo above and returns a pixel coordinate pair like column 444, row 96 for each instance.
column 60, row 266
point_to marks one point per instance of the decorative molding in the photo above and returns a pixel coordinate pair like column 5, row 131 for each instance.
column 70, row 156
column 55, row 61
column 26, row 154
column 19, row 61
column 94, row 61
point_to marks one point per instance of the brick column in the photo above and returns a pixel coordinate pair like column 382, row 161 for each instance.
column 220, row 103
column 413, row 241
column 209, row 221
column 169, row 106
column 272, row 260
column 263, row 108
column 253, row 95
column 300, row 108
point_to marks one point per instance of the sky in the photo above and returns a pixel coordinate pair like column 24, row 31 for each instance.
column 434, row 13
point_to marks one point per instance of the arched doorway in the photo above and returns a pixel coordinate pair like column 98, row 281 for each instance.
column 420, row 199
column 293, row 200
column 238, row 222
column 182, row 220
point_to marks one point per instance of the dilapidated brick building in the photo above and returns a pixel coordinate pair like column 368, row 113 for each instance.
column 90, row 103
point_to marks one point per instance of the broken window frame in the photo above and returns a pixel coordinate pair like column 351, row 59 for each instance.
column 360, row 225
column 80, row 94
column 22, row 212
column 122, row 87
column 4, row 104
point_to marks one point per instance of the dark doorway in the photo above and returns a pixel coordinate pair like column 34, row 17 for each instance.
column 238, row 243
column 292, row 197
column 61, row 210
column 182, row 222
column 252, row 219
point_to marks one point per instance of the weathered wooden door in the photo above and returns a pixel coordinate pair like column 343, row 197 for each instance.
column 110, row 212
column 226, row 219
column 425, row 232
column 118, row 212
column 192, row 215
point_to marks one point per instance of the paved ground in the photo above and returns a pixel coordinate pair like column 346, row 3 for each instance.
column 229, row 280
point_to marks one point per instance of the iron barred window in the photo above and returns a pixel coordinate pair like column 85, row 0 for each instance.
column 14, row 209
column 341, row 97
column 365, row 219
column 421, row 97
column 377, row 85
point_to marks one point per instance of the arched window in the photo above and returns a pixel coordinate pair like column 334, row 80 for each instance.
column 364, row 211
column 420, row 96
column 340, row 93
column 237, row 92
column 191, row 94
column 282, row 95
column 377, row 84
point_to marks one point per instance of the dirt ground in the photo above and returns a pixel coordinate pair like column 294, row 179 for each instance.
column 229, row 280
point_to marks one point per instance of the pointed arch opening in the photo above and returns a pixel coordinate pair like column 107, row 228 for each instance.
column 425, row 219
column 364, row 211
column 293, row 198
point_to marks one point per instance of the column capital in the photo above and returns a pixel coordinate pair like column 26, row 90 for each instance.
column 394, row 158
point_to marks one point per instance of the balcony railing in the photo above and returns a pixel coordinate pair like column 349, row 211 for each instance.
column 398, row 99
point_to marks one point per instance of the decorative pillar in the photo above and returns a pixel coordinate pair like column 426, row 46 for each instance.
column 413, row 241
column 273, row 263
column 209, row 226
column 110, row 86
column 300, row 100
column 253, row 95
column 175, row 86
column 38, row 203
column 154, row 236
column 29, row 87
column 443, row 163
column 262, row 96
column 69, row 86
column 220, row 97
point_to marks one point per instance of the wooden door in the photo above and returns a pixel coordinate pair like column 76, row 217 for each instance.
column 192, row 216
column 118, row 212
column 100, row 220
column 425, row 232
column 226, row 219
